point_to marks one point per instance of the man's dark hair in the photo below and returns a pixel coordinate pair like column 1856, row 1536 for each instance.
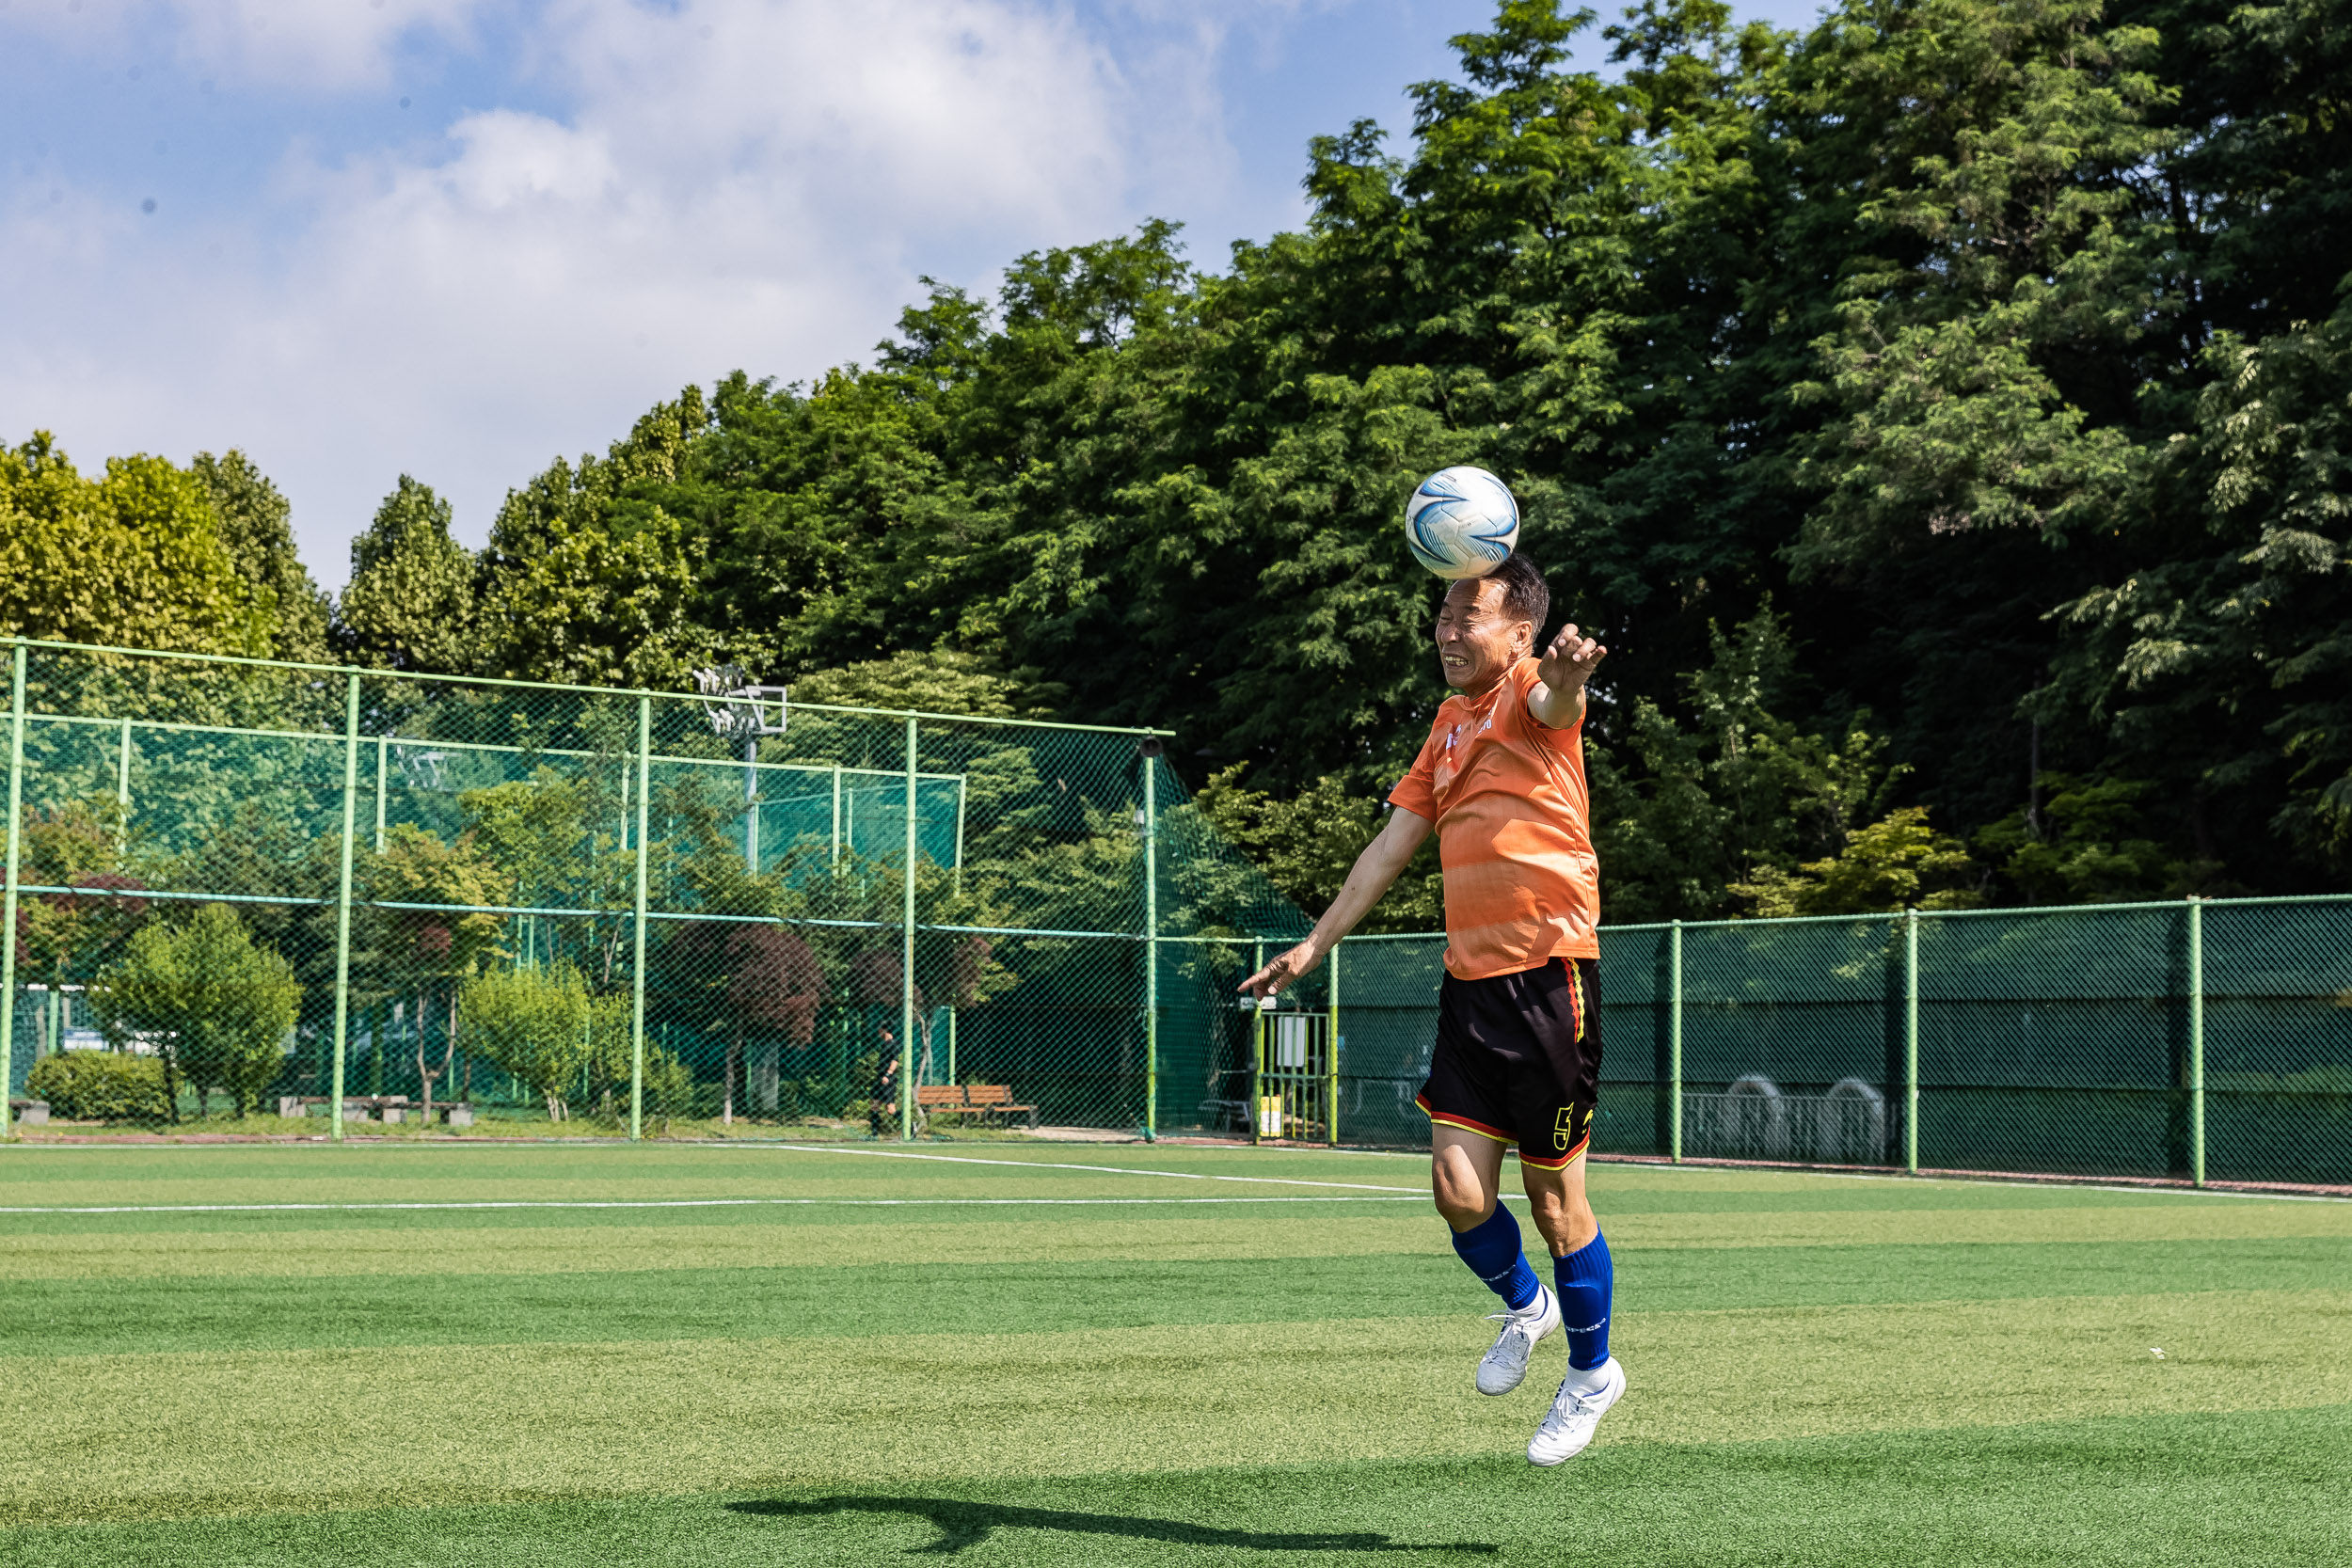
column 1525, row 594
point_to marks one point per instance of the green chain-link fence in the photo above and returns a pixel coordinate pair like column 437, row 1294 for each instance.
column 2198, row 1040
column 243, row 893
column 281, row 897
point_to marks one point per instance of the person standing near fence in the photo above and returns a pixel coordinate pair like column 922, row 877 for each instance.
column 1518, row 1055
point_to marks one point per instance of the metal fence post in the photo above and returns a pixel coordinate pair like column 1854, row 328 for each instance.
column 637, row 981
column 1257, row 1050
column 8, row 900
column 1331, row 1055
column 906, row 978
column 382, row 761
column 1151, row 954
column 1674, row 1039
column 342, row 905
column 2196, row 1040
column 1910, row 1041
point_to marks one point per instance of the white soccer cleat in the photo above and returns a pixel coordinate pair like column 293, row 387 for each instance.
column 1503, row 1366
column 1568, row 1426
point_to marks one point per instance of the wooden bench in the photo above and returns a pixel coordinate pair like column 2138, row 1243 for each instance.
column 30, row 1112
column 995, row 1099
column 972, row 1100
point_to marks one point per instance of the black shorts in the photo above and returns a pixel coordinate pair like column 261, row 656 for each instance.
column 1518, row 1059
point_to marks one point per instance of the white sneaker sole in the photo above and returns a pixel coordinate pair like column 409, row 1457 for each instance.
column 1608, row 1396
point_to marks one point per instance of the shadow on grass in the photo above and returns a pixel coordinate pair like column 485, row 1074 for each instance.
column 961, row 1523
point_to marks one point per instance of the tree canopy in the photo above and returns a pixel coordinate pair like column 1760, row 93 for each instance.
column 1941, row 413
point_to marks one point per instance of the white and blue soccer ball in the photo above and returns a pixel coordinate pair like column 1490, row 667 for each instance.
column 1461, row 522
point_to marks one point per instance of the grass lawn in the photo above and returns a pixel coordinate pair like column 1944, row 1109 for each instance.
column 485, row 1355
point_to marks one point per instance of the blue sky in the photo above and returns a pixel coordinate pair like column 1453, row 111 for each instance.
column 455, row 239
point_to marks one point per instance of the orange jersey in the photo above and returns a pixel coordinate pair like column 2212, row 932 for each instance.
column 1522, row 884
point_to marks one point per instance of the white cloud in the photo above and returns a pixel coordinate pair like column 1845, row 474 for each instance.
column 735, row 183
column 313, row 45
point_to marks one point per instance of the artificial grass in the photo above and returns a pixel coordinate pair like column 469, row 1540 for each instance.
column 1152, row 1381
column 83, row 1316
column 2251, row 1488
column 192, row 1433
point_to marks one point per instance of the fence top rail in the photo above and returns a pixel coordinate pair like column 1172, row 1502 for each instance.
column 422, row 677
column 1896, row 916
column 418, row 742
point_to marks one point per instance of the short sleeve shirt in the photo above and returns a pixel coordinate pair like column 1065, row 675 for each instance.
column 1522, row 884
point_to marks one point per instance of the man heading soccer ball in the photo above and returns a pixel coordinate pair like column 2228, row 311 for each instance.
column 1517, row 1059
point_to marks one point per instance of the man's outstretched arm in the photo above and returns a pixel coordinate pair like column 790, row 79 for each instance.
column 1375, row 869
column 1557, row 699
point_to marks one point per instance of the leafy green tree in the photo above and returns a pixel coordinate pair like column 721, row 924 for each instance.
column 1309, row 843
column 535, row 1023
column 2089, row 842
column 1686, row 812
column 61, row 936
column 2220, row 666
column 430, row 953
column 134, row 560
column 585, row 581
column 256, row 529
column 218, row 1007
column 411, row 604
column 1897, row 862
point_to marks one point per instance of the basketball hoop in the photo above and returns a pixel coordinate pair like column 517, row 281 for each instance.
column 738, row 709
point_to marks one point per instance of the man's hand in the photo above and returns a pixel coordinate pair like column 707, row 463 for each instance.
column 1557, row 700
column 1286, row 968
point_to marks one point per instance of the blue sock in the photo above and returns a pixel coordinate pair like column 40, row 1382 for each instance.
column 1584, row 1277
column 1491, row 1249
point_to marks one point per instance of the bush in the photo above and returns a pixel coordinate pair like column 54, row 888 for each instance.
column 100, row 1085
column 535, row 1023
column 221, row 1006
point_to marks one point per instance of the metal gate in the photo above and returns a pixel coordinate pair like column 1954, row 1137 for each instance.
column 1294, row 1084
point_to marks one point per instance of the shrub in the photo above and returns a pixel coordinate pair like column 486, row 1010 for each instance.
column 100, row 1085
column 221, row 1006
column 535, row 1023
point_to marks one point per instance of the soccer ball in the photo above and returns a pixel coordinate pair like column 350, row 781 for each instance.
column 1461, row 522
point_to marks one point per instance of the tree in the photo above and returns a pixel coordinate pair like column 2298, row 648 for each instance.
column 585, row 581
column 217, row 1006
column 431, row 953
column 81, row 845
column 256, row 529
column 1309, row 844
column 537, row 1023
column 1898, row 863
column 411, row 604
column 134, row 560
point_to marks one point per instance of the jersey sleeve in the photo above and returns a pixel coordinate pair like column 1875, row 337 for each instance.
column 1523, row 682
column 1417, row 792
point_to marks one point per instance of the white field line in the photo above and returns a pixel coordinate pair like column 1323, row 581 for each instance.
column 1114, row 1170
column 668, row 1203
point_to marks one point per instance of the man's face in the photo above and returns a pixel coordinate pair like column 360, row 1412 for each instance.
column 1477, row 643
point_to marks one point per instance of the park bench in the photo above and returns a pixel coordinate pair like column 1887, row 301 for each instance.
column 377, row 1107
column 974, row 1100
column 995, row 1099
column 30, row 1112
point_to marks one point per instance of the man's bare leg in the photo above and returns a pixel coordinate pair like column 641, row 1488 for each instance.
column 1584, row 1282
column 1465, row 1179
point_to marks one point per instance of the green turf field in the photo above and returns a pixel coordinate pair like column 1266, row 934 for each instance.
column 1087, row 1355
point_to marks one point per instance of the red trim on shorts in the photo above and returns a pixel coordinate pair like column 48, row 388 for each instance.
column 1564, row 1162
column 1448, row 1118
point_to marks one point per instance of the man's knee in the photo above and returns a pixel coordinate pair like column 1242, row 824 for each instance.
column 1461, row 1197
